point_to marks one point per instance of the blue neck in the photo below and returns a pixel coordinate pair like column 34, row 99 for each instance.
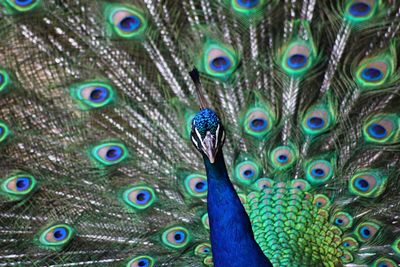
column 232, row 238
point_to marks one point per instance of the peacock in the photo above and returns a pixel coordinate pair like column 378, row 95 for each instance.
column 225, row 133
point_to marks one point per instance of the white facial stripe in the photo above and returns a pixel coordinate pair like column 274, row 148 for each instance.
column 216, row 136
column 198, row 134
column 195, row 142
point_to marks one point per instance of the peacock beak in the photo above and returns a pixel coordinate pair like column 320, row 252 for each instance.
column 209, row 147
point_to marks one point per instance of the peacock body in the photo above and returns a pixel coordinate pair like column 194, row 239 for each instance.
column 298, row 133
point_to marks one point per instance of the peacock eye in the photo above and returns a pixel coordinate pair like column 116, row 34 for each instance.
column 205, row 221
column 318, row 119
column 110, row 153
column 93, row 94
column 384, row 262
column 247, row 3
column 396, row 246
column 263, row 183
column 56, row 236
column 176, row 237
column 258, row 122
column 126, row 22
column 347, row 257
column 350, row 243
column 319, row 171
column 342, row 220
column 139, row 197
column 19, row 185
column 4, row 131
column 23, row 5
column 218, row 60
column 373, row 72
column 283, row 157
column 196, row 185
column 369, row 183
column 379, row 129
column 361, row 10
column 141, row 261
column 4, row 80
column 24, row 2
column 300, row 184
column 367, row 231
column 247, row 172
column 297, row 58
column 203, row 249
column 321, row 201
column 248, row 7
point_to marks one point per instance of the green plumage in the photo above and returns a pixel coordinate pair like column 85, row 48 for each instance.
column 96, row 106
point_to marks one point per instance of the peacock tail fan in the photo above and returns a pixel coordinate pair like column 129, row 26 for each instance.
column 96, row 106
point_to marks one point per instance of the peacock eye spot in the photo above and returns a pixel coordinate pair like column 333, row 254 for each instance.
column 22, row 183
column 196, row 185
column 248, row 173
column 141, row 197
column 365, row 232
column 362, row 184
column 179, row 237
column 371, row 74
column 3, row 132
column 113, row 153
column 359, row 9
column 200, row 186
column 59, row 233
column 99, row 94
column 346, row 244
column 339, row 221
column 24, row 2
column 297, row 61
column 282, row 158
column 258, row 124
column 315, row 123
column 1, row 78
column 220, row 63
column 129, row 24
column 248, row 3
column 377, row 131
column 319, row 204
column 144, row 263
column 318, row 172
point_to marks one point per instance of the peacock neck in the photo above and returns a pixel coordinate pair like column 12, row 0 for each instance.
column 231, row 234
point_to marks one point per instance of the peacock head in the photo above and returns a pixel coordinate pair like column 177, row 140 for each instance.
column 207, row 134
